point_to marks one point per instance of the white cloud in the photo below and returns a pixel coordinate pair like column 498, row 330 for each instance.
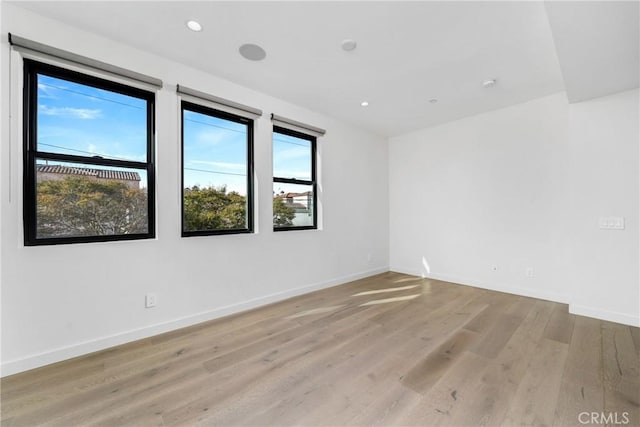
column 76, row 113
column 46, row 91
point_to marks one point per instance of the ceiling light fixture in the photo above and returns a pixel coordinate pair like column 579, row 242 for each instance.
column 194, row 26
column 489, row 83
column 348, row 45
column 252, row 52
column 364, row 104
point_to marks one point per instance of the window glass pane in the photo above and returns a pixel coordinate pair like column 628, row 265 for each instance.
column 215, row 171
column 78, row 119
column 291, row 157
column 292, row 205
column 74, row 199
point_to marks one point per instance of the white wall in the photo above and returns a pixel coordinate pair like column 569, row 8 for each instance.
column 62, row 301
column 604, row 137
column 480, row 192
column 524, row 187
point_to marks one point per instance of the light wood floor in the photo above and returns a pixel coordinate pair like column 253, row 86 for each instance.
column 387, row 350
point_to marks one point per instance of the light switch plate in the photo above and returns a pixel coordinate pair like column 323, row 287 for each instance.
column 611, row 223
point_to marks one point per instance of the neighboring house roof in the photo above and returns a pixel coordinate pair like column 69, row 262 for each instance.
column 96, row 173
column 291, row 195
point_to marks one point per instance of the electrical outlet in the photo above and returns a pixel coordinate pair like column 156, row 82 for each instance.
column 150, row 300
column 530, row 272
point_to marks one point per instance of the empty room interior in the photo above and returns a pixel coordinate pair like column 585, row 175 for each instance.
column 320, row 213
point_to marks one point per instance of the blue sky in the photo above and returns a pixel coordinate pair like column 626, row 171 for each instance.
column 215, row 152
column 82, row 120
column 291, row 157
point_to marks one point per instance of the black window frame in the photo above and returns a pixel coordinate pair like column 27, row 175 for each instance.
column 32, row 69
column 312, row 182
column 209, row 111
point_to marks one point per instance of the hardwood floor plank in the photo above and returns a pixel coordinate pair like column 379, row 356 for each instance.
column 262, row 381
column 304, row 394
column 494, row 340
column 156, row 350
column 537, row 394
column 391, row 367
column 635, row 335
column 423, row 352
column 491, row 397
column 452, row 393
column 214, row 340
column 253, row 347
column 256, row 368
column 240, row 375
column 581, row 387
column 498, row 304
column 385, row 407
column 621, row 375
column 428, row 371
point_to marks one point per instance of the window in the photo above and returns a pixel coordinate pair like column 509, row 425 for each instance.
column 217, row 172
column 294, row 180
column 89, row 172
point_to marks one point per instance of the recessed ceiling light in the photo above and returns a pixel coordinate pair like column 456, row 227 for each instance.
column 489, row 83
column 364, row 104
column 194, row 25
column 349, row 45
column 252, row 52
column 433, row 100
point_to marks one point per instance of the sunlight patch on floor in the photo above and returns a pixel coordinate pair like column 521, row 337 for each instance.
column 382, row 291
column 408, row 279
column 387, row 300
column 314, row 311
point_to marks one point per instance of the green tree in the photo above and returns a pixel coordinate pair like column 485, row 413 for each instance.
column 78, row 206
column 213, row 208
column 283, row 215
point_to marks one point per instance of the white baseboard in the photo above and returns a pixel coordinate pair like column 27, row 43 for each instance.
column 526, row 292
column 611, row 316
column 63, row 353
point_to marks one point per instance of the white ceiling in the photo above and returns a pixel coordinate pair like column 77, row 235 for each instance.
column 408, row 52
column 598, row 45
